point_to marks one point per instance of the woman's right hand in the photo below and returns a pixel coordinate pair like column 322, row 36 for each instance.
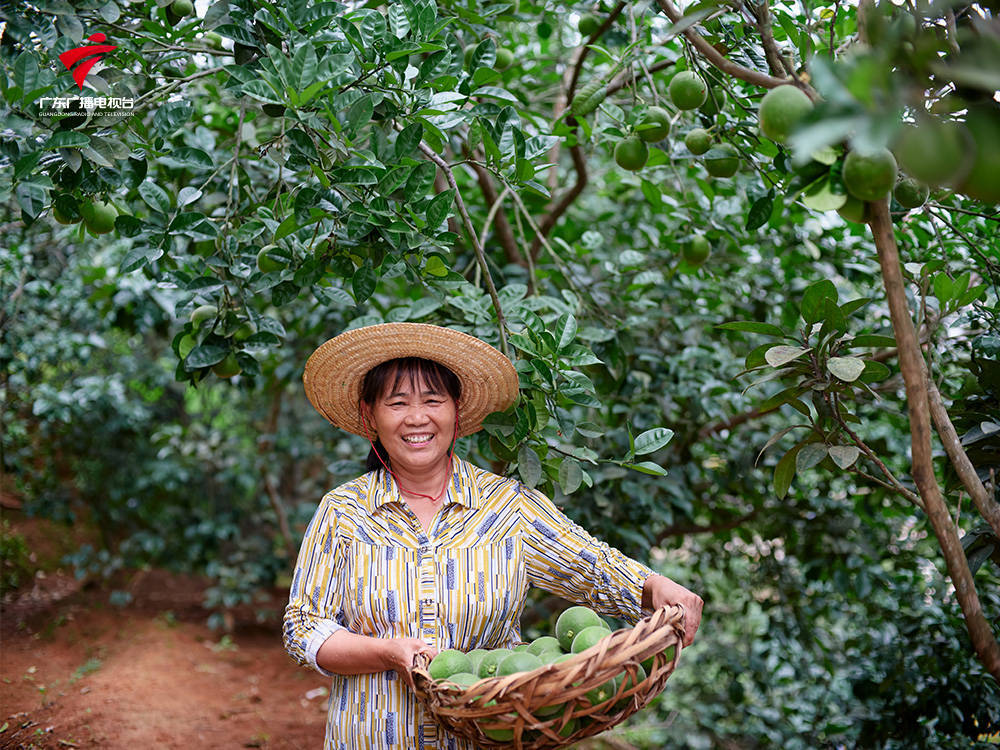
column 400, row 653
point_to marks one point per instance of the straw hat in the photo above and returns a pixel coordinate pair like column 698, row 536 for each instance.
column 334, row 372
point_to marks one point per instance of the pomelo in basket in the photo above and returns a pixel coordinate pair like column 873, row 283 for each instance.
column 476, row 656
column 641, row 675
column 519, row 661
column 521, row 647
column 647, row 664
column 589, row 636
column 448, row 662
column 491, row 660
column 572, row 621
column 542, row 644
column 463, row 679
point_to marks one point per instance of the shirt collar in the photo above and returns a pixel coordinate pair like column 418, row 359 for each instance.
column 462, row 487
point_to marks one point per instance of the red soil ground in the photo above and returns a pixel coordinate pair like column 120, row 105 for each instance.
column 78, row 672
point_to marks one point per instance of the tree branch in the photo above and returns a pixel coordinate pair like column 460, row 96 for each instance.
column 986, row 505
column 550, row 219
column 711, row 528
column 762, row 17
column 505, row 234
column 720, row 61
column 477, row 246
column 914, row 377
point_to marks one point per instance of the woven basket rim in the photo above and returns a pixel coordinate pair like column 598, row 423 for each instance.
column 517, row 697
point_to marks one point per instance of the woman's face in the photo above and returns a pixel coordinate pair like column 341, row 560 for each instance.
column 415, row 423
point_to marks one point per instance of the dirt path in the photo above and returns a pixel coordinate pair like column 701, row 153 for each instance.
column 76, row 671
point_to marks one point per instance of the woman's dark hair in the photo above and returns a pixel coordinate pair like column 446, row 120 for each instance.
column 387, row 376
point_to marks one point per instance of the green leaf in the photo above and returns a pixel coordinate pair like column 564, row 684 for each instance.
column 944, row 287
column 529, row 466
column 750, row 326
column 66, row 139
column 566, row 330
column 360, row 113
column 873, row 340
column 439, row 207
column 399, row 24
column 847, row 369
column 570, row 475
column 409, row 139
column 205, row 356
column 810, row 455
column 652, row 440
column 874, row 372
column 364, row 282
column 820, row 196
column 780, row 355
column 647, row 467
column 285, row 228
column 262, row 91
column 812, row 300
column 139, row 256
column 303, row 67
column 760, row 211
column 155, row 196
column 784, row 472
column 844, row 455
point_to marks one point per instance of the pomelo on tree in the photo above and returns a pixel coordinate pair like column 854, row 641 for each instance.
column 781, row 109
column 182, row 8
column 99, row 216
column 698, row 141
column 62, row 218
column 588, row 24
column 869, row 175
column 572, row 620
column 715, row 102
column 687, row 90
column 267, row 262
column 696, row 250
column 933, row 151
column 448, row 662
column 655, row 125
column 722, row 160
column 202, row 313
column 505, row 58
column 631, row 153
column 983, row 180
column 910, row 193
column 228, row 367
column 854, row 210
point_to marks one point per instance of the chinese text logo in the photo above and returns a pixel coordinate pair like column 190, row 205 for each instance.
column 94, row 52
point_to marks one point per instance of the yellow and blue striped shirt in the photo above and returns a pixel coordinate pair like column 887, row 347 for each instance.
column 366, row 564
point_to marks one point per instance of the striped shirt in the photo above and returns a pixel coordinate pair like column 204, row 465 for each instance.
column 366, row 564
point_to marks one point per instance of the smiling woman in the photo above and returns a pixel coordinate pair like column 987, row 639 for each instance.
column 427, row 552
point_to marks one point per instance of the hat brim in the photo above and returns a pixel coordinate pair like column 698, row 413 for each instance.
column 335, row 371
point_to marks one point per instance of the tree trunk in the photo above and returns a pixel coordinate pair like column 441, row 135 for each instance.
column 914, row 377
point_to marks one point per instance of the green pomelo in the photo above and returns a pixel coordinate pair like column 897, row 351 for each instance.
column 628, row 684
column 722, row 160
column 933, row 151
column 781, row 109
column 505, row 58
column 647, row 664
column 603, row 693
column 910, row 193
column 631, row 153
column 715, row 102
column 182, row 7
column 448, row 662
column 202, row 313
column 99, row 216
column 655, row 125
column 63, row 218
column 687, row 90
column 266, row 261
column 698, row 141
column 588, row 637
column 588, row 24
column 519, row 661
column 491, row 660
column 185, row 345
column 228, row 367
column 521, row 647
column 476, row 658
column 697, row 250
column 571, row 621
column 543, row 644
column 854, row 210
column 983, row 180
column 463, row 679
column 869, row 175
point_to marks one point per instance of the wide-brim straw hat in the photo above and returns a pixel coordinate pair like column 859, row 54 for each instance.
column 335, row 371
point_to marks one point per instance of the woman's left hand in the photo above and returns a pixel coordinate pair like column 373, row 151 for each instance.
column 659, row 591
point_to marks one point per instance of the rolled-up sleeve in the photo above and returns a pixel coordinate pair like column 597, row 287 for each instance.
column 313, row 611
column 565, row 559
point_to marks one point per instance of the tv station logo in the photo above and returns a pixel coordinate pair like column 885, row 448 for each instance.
column 79, row 61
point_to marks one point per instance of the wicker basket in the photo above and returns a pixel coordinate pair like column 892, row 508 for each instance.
column 510, row 703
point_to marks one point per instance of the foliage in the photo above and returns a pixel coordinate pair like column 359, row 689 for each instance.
column 290, row 171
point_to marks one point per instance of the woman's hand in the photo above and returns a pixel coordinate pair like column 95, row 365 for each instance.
column 659, row 591
column 400, row 652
